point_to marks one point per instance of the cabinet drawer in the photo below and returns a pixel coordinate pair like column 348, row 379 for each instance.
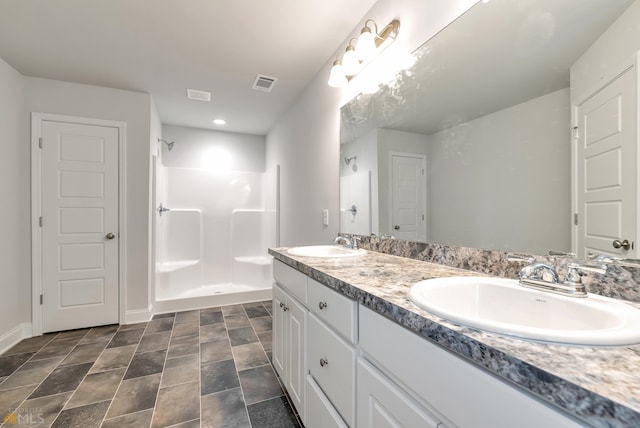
column 331, row 362
column 292, row 280
column 334, row 309
column 320, row 412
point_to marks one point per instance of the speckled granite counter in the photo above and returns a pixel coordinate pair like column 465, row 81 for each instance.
column 600, row 386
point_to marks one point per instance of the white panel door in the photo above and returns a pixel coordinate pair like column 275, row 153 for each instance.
column 606, row 169
column 79, row 193
column 408, row 205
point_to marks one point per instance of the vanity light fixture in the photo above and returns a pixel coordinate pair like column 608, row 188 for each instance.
column 368, row 45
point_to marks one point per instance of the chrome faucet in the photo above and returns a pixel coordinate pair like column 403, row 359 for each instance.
column 544, row 277
column 343, row 240
column 349, row 242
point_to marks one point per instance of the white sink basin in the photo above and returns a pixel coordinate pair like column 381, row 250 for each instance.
column 332, row 251
column 503, row 306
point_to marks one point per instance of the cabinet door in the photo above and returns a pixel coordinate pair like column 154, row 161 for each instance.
column 332, row 363
column 320, row 412
column 296, row 320
column 279, row 351
column 381, row 404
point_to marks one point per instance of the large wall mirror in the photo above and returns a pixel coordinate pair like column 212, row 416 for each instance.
column 472, row 146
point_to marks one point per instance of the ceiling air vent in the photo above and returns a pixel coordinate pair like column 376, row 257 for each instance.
column 264, row 83
column 194, row 94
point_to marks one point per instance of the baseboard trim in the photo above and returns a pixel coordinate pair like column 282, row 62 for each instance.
column 138, row 315
column 15, row 335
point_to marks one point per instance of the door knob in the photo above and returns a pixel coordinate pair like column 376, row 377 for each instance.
column 625, row 245
column 110, row 235
column 396, row 227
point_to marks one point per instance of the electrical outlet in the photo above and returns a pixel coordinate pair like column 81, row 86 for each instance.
column 325, row 217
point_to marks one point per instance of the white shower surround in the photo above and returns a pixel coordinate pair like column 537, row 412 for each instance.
column 212, row 244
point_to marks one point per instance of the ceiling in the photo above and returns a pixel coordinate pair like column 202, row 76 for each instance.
column 163, row 47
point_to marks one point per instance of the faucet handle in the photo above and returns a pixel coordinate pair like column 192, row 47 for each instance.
column 512, row 257
column 576, row 271
column 588, row 267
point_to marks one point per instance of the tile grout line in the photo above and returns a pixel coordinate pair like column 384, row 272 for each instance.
column 104, row 418
column 47, row 376
column 74, row 390
column 235, row 366
column 155, row 402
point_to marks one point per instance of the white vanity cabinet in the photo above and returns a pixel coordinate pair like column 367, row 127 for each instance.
column 314, row 351
column 441, row 382
column 290, row 332
column 345, row 365
column 332, row 352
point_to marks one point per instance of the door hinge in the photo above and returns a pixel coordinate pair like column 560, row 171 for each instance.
column 40, row 142
column 422, row 217
column 575, row 132
column 422, row 171
column 41, row 299
column 575, row 219
column 40, row 221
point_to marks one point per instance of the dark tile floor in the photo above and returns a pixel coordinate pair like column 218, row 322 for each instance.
column 202, row 368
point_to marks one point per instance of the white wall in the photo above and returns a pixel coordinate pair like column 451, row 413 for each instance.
column 305, row 141
column 72, row 99
column 523, row 151
column 15, row 245
column 613, row 47
column 354, row 183
column 204, row 148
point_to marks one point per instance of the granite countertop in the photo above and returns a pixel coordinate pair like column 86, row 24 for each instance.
column 599, row 385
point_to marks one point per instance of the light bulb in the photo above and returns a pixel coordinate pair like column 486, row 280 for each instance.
column 350, row 62
column 366, row 45
column 337, row 78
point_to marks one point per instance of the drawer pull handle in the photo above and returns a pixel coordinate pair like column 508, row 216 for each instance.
column 323, row 362
column 322, row 305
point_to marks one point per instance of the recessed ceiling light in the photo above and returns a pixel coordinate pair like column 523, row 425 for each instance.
column 219, row 121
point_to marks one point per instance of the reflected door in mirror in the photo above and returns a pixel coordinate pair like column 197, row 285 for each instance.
column 408, row 193
column 606, row 161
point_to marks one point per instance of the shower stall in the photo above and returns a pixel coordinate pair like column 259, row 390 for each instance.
column 212, row 233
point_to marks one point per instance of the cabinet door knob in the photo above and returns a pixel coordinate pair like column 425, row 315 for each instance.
column 281, row 305
column 322, row 305
column 110, row 235
column 626, row 245
column 286, row 308
column 323, row 362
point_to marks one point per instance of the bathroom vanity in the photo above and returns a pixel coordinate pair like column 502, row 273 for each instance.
column 352, row 350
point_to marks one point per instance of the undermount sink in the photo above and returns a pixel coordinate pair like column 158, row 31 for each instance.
column 330, row 251
column 502, row 306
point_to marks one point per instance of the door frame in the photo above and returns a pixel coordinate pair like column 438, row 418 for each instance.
column 36, row 210
column 632, row 62
column 423, row 158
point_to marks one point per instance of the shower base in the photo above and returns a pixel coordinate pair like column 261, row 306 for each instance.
column 212, row 295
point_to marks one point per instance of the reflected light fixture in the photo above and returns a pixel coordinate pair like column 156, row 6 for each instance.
column 219, row 121
column 368, row 45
